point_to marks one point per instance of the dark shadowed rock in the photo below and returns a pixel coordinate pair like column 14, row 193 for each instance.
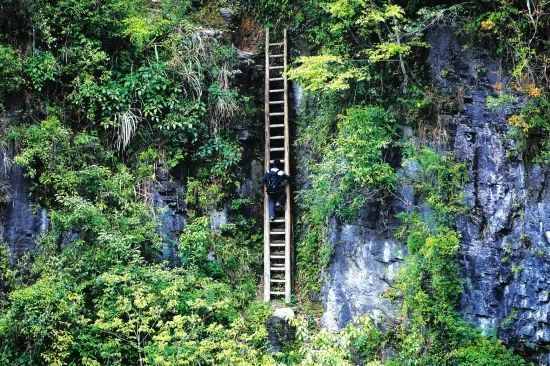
column 167, row 199
column 280, row 330
column 21, row 222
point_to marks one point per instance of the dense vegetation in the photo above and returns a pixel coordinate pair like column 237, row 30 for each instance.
column 106, row 96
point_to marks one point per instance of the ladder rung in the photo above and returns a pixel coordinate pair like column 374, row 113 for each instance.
column 278, row 55
column 277, row 114
column 277, row 149
column 276, row 245
column 278, row 269
column 276, row 137
column 277, row 256
column 276, row 90
column 276, row 44
column 277, row 293
column 278, row 281
column 276, row 79
column 277, row 125
column 277, row 232
column 276, row 67
column 278, row 102
column 277, row 220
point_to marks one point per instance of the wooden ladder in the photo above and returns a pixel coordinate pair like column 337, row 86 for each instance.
column 277, row 232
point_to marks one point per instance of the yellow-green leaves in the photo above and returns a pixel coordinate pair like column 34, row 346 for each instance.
column 141, row 29
column 344, row 8
column 386, row 51
column 325, row 73
column 373, row 15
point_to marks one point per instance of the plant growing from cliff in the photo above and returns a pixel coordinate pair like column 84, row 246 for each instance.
column 324, row 73
column 501, row 101
column 352, row 170
column 531, row 128
column 429, row 286
column 439, row 179
column 354, row 163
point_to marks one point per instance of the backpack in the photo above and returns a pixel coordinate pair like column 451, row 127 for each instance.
column 273, row 182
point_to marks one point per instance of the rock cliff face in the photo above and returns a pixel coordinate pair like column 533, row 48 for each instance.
column 365, row 260
column 167, row 199
column 504, row 237
column 21, row 222
column 505, row 247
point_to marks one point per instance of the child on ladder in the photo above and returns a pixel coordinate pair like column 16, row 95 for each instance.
column 275, row 181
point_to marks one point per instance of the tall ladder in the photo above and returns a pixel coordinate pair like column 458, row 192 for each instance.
column 277, row 232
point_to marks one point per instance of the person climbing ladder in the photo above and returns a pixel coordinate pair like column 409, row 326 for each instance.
column 277, row 280
column 275, row 181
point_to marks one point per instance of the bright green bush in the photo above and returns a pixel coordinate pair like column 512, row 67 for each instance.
column 353, row 167
column 132, row 315
column 324, row 73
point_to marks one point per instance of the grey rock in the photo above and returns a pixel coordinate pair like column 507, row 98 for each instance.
column 505, row 237
column 297, row 97
column 218, row 219
column 365, row 262
column 504, row 240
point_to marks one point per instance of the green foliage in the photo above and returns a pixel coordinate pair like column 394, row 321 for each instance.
column 440, row 180
column 353, row 164
column 142, row 30
column 132, row 315
column 7, row 274
column 363, row 136
column 351, row 170
column 500, row 101
column 41, row 68
column 10, row 71
column 486, row 352
column 324, row 73
column 359, row 341
column 531, row 129
column 231, row 252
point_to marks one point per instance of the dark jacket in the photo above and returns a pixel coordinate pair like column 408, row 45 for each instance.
column 275, row 180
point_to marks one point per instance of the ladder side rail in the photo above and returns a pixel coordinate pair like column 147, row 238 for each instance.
column 267, row 249
column 288, row 218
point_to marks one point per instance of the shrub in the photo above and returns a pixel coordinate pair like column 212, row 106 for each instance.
column 11, row 68
column 41, row 68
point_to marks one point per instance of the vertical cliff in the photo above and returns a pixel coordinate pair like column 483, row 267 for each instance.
column 504, row 242
column 505, row 234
